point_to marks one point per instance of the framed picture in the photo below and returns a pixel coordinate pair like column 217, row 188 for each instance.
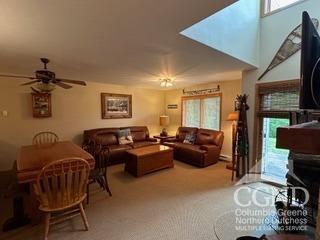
column 172, row 106
column 41, row 105
column 115, row 106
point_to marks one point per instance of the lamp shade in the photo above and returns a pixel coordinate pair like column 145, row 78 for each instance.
column 233, row 116
column 164, row 121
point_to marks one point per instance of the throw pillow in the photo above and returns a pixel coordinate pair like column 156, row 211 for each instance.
column 124, row 132
column 124, row 140
column 190, row 138
column 124, row 136
column 130, row 138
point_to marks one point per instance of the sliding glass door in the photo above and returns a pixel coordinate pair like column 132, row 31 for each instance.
column 275, row 102
column 202, row 111
column 274, row 160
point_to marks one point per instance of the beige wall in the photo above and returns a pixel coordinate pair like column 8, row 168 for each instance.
column 272, row 36
column 73, row 111
column 229, row 89
column 79, row 108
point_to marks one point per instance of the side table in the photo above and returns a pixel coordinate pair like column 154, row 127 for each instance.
column 163, row 138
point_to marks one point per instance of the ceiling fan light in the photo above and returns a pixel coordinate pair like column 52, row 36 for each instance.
column 45, row 87
column 163, row 84
column 167, row 82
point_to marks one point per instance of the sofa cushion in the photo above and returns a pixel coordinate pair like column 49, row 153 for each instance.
column 93, row 134
column 189, row 153
column 190, row 147
column 106, row 138
column 139, row 133
column 113, row 148
column 207, row 136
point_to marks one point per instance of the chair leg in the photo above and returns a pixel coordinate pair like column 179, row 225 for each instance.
column 84, row 217
column 88, row 193
column 100, row 181
column 46, row 225
column 107, row 185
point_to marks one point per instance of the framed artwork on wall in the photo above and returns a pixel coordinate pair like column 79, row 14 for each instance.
column 41, row 105
column 114, row 106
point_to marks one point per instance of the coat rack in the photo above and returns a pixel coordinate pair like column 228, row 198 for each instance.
column 242, row 138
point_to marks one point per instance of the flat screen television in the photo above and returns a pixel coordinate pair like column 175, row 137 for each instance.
column 310, row 65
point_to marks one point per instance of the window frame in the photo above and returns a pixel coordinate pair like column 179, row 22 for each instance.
column 202, row 97
column 265, row 7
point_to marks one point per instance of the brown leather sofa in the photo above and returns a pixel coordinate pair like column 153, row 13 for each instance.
column 107, row 139
column 204, row 152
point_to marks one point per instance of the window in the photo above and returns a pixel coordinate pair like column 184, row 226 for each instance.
column 271, row 6
column 201, row 111
column 275, row 101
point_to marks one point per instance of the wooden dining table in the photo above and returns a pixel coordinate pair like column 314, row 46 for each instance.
column 32, row 158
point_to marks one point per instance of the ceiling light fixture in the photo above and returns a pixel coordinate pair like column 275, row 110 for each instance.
column 45, row 87
column 166, row 82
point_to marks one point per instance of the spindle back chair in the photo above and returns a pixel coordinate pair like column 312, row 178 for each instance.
column 44, row 138
column 61, row 186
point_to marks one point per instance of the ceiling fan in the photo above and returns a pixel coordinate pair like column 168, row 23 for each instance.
column 46, row 80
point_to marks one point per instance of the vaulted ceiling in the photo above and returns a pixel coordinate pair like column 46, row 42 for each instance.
column 131, row 42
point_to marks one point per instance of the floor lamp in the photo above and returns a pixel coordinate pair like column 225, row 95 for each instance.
column 233, row 117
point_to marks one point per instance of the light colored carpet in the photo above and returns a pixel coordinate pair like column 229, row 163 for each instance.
column 180, row 203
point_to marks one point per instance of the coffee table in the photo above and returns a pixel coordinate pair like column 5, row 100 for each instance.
column 149, row 159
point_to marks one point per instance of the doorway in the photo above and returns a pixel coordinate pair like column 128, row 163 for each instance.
column 274, row 160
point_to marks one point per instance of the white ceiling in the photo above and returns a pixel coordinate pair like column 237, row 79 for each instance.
column 131, row 42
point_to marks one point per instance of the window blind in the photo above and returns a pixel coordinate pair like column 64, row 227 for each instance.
column 191, row 112
column 279, row 97
column 201, row 111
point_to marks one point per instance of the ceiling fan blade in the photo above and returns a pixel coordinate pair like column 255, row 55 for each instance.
column 83, row 83
column 16, row 76
column 63, row 85
column 35, row 90
column 29, row 83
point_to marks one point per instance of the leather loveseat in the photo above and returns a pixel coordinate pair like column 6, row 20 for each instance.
column 107, row 139
column 204, row 152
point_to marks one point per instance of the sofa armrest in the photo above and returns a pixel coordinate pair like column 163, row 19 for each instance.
column 212, row 153
column 208, row 147
column 171, row 140
column 151, row 140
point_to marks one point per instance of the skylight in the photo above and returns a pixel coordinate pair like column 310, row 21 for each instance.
column 276, row 5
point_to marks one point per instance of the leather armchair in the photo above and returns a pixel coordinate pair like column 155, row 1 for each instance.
column 204, row 152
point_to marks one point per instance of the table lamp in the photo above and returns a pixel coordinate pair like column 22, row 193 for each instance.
column 164, row 121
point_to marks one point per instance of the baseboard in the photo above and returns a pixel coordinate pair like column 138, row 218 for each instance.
column 225, row 158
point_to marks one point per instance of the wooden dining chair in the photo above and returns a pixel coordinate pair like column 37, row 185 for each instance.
column 99, row 173
column 61, row 189
column 45, row 137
